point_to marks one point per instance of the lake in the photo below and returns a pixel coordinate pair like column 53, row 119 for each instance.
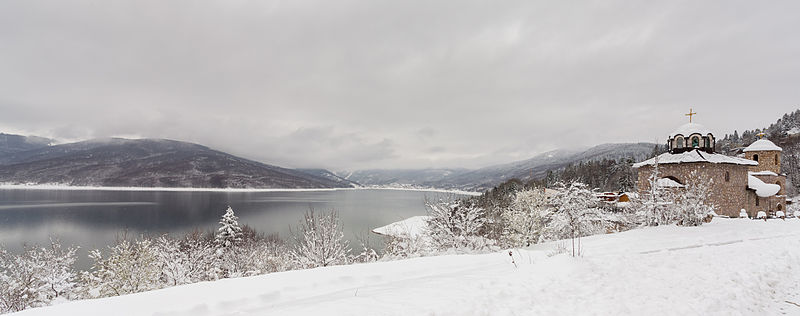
column 93, row 219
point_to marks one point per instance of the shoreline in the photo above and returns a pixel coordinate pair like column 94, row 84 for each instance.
column 165, row 189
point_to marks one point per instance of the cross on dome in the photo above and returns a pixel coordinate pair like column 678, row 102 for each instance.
column 690, row 114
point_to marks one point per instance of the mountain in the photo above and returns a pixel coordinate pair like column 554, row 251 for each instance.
column 149, row 163
column 488, row 177
column 11, row 144
column 400, row 177
column 538, row 166
column 326, row 174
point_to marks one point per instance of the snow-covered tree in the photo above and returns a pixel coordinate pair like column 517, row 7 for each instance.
column 319, row 241
column 457, row 225
column 525, row 219
column 130, row 267
column 229, row 233
column 692, row 206
column 575, row 214
column 37, row 277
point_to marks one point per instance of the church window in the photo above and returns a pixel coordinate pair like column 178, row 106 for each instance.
column 680, row 142
column 727, row 176
column 776, row 160
column 695, row 142
column 757, row 200
column 705, row 142
column 755, row 157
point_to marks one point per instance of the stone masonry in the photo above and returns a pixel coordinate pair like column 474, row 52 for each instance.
column 727, row 196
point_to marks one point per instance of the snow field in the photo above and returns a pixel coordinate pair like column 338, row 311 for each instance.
column 727, row 267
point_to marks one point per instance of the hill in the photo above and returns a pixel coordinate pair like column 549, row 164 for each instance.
column 535, row 168
column 149, row 163
column 11, row 144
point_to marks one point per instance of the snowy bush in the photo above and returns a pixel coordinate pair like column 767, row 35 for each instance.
column 524, row 220
column 319, row 241
column 187, row 260
column 129, row 267
column 575, row 214
column 37, row 277
column 399, row 247
column 457, row 225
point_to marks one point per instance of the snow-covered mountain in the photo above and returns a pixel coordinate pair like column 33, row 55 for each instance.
column 485, row 178
column 10, row 143
column 149, row 163
column 400, row 177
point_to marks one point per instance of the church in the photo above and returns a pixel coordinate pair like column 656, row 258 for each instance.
column 753, row 183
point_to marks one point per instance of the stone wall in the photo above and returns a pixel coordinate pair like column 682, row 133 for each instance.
column 767, row 161
column 728, row 196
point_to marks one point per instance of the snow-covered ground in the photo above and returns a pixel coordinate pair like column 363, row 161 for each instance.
column 727, row 267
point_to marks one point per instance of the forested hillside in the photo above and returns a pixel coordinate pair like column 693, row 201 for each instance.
column 785, row 132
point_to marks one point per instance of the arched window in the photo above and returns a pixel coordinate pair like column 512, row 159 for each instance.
column 777, row 162
column 706, row 143
column 757, row 198
column 755, row 157
column 727, row 176
column 680, row 142
column 695, row 142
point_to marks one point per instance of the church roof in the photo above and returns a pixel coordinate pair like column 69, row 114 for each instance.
column 695, row 156
column 668, row 183
column 762, row 189
column 690, row 128
column 762, row 145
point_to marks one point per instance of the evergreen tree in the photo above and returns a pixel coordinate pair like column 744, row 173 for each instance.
column 229, row 233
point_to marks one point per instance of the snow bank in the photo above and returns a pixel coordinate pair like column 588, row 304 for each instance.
column 411, row 227
column 726, row 267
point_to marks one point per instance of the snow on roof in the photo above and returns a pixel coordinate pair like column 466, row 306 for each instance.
column 763, row 173
column 690, row 128
column 410, row 227
column 668, row 183
column 695, row 156
column 762, row 189
column 762, row 145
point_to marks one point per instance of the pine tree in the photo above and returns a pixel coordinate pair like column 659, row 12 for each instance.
column 229, row 233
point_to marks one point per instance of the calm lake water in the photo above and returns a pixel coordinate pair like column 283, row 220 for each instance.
column 94, row 218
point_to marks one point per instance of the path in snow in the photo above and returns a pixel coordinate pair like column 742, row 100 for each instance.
column 728, row 267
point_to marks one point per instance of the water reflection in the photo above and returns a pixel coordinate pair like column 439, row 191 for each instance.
column 93, row 219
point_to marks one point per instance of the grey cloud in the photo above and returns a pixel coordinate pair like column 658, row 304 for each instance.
column 373, row 84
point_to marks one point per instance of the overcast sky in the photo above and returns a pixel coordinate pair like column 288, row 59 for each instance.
column 400, row 84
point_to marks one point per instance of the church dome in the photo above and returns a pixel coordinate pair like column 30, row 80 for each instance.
column 689, row 129
column 763, row 145
column 691, row 136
